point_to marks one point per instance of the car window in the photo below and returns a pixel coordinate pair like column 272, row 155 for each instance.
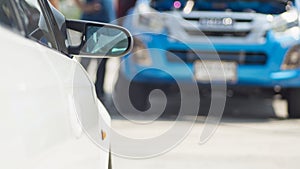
column 7, row 16
column 35, row 24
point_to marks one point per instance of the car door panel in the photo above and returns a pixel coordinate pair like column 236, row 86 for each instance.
column 37, row 85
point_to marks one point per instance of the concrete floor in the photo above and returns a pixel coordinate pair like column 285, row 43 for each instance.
column 252, row 134
column 259, row 141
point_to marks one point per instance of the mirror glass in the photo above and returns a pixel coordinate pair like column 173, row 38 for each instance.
column 105, row 41
column 74, row 37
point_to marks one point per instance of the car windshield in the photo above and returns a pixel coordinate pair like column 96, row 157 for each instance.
column 258, row 6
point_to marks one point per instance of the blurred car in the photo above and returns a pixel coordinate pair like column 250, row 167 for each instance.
column 50, row 115
column 256, row 41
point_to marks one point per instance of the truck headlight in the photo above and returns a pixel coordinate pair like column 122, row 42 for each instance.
column 140, row 54
column 292, row 58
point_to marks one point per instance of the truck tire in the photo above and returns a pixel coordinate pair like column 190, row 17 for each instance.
column 138, row 94
column 293, row 99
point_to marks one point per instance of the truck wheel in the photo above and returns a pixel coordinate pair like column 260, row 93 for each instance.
column 138, row 94
column 293, row 99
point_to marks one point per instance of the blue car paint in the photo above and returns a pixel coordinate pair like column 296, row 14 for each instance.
column 162, row 71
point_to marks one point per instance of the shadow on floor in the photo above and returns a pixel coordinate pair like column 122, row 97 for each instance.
column 236, row 110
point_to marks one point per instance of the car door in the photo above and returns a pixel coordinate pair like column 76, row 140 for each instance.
column 43, row 95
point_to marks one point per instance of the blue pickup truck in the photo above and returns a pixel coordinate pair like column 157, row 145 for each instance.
column 256, row 41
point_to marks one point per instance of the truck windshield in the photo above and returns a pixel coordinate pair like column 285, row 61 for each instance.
column 258, row 6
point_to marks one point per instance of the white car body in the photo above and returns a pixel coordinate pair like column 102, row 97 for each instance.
column 40, row 92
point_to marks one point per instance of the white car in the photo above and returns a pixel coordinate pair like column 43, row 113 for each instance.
column 50, row 117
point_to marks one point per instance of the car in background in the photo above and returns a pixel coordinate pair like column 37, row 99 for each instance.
column 50, row 114
column 256, row 41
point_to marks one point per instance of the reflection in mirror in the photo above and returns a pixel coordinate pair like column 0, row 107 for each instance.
column 105, row 41
column 74, row 37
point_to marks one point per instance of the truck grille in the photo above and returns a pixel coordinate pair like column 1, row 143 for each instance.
column 219, row 28
column 240, row 20
column 241, row 57
column 217, row 33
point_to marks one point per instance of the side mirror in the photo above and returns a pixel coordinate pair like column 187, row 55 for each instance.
column 98, row 40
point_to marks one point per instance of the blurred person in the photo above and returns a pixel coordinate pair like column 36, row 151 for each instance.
column 123, row 7
column 98, row 11
column 55, row 3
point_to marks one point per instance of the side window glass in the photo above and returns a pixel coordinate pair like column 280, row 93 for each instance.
column 7, row 16
column 35, row 23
